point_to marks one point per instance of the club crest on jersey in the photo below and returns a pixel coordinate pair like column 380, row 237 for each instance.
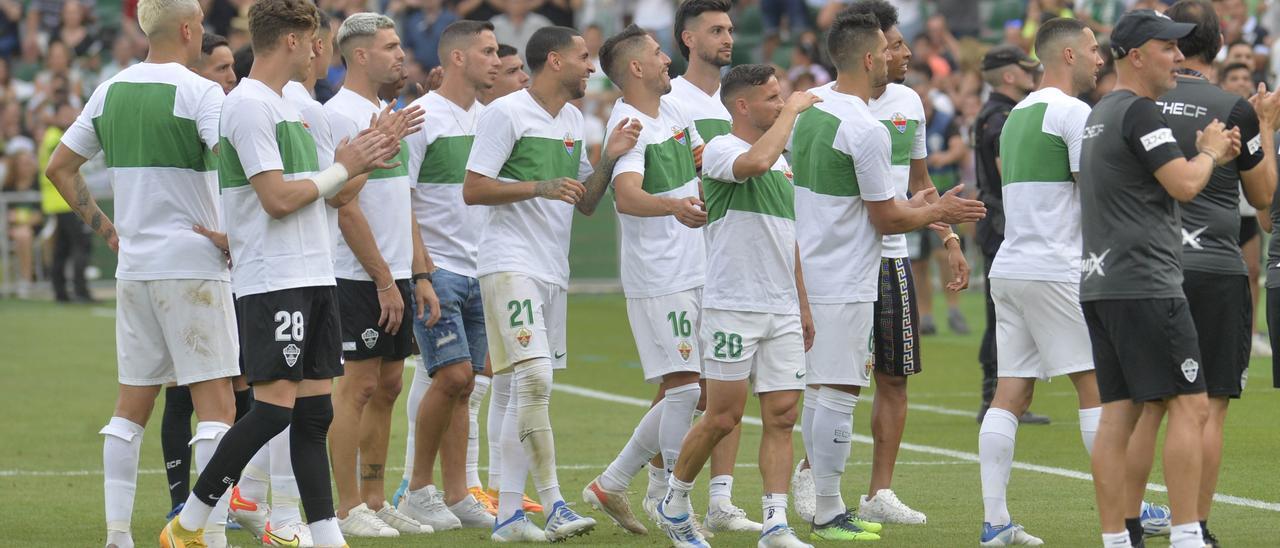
column 370, row 338
column 685, row 348
column 291, row 354
column 680, row 135
column 569, row 144
column 522, row 336
column 790, row 177
column 899, row 122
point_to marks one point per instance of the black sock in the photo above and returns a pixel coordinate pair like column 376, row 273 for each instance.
column 307, row 438
column 238, row 445
column 1134, row 525
column 175, row 439
column 244, row 401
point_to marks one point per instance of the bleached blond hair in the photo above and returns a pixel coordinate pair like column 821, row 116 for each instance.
column 153, row 14
column 361, row 25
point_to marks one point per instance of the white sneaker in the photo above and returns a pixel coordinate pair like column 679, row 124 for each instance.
column 885, row 507
column 803, row 497
column 614, row 504
column 682, row 531
column 730, row 519
column 216, row 539
column 427, row 507
column 1261, row 346
column 361, row 522
column 295, row 534
column 400, row 522
column 564, row 523
column 1010, row 534
column 650, row 505
column 472, row 513
column 781, row 536
column 517, row 529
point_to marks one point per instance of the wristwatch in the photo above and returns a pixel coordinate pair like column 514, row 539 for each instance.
column 949, row 237
column 422, row 276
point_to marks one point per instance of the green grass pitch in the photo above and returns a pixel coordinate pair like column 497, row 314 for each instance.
column 58, row 371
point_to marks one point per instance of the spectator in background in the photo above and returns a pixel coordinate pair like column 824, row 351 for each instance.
column 12, row 89
column 947, row 151
column 804, row 61
column 74, row 30
column 517, row 23
column 44, row 16
column 10, row 21
column 423, row 22
column 774, row 11
column 58, row 67
column 479, row 10
column 18, row 168
column 559, row 12
column 71, row 237
column 121, row 57
column 1099, row 15
column 958, row 17
column 658, row 17
column 1240, row 52
column 1237, row 79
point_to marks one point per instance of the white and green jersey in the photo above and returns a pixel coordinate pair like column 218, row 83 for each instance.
column 316, row 120
column 710, row 118
column 385, row 199
column 261, row 132
column 660, row 256
column 751, row 233
column 840, row 154
column 438, row 163
column 518, row 140
column 899, row 109
column 1039, row 150
column 156, row 125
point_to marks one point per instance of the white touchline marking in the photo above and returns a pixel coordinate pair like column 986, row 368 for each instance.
column 927, row 449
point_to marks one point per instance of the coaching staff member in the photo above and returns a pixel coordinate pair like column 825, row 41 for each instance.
column 1144, row 341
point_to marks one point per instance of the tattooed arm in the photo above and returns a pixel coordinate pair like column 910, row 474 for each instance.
column 64, row 172
column 621, row 140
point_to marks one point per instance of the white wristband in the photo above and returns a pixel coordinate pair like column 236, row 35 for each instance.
column 330, row 181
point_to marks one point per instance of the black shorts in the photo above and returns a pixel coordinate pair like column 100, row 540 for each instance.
column 1144, row 349
column 896, row 331
column 1273, row 319
column 1248, row 229
column 362, row 339
column 290, row 334
column 1221, row 307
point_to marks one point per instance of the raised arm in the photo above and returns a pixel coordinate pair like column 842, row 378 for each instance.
column 766, row 150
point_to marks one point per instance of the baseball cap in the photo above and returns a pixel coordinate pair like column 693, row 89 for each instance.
column 1001, row 56
column 1135, row 28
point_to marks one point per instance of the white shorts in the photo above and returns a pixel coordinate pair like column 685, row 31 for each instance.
column 1040, row 329
column 842, row 344
column 666, row 333
column 181, row 331
column 766, row 348
column 524, row 318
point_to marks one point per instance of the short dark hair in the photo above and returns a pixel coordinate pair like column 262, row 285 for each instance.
column 271, row 19
column 457, row 32
column 544, row 41
column 1205, row 40
column 211, row 41
column 618, row 49
column 323, row 21
column 507, row 51
column 693, row 8
column 1234, row 67
column 1057, row 29
column 242, row 62
column 742, row 78
column 1239, row 42
column 850, row 36
column 884, row 12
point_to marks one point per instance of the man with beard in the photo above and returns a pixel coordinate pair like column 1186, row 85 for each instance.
column 663, row 260
column 1040, row 331
column 526, row 162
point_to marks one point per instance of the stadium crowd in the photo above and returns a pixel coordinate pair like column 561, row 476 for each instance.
column 54, row 54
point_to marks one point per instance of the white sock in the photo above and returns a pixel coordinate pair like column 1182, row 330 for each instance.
column 473, row 430
column 721, row 491
column 532, row 392
column 657, row 482
column 1116, row 540
column 284, row 486
column 326, row 533
column 676, row 501
column 640, row 448
column 1089, row 426
column 995, row 459
column 203, row 444
column 832, row 438
column 254, row 478
column 121, row 445
column 775, row 510
column 418, row 389
column 501, row 387
column 515, row 468
column 677, row 415
column 806, row 420
column 1187, row 535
